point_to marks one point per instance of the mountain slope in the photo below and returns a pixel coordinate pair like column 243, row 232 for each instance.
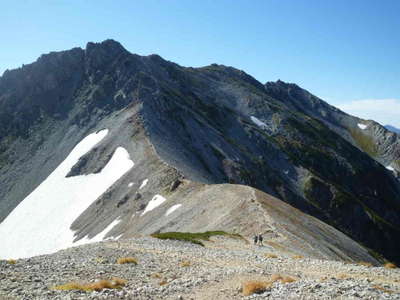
column 209, row 125
column 369, row 136
column 197, row 207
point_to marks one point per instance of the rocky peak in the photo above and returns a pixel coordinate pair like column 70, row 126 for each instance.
column 99, row 55
column 111, row 46
column 231, row 74
column 280, row 84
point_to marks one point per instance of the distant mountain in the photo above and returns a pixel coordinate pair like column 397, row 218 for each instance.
column 99, row 142
column 392, row 128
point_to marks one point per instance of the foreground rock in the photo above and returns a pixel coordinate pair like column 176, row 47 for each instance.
column 180, row 270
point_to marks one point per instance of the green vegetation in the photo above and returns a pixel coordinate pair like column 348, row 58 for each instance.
column 341, row 198
column 193, row 237
column 396, row 163
column 309, row 187
column 315, row 191
column 365, row 142
column 217, row 152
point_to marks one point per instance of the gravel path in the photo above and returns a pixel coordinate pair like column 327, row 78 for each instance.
column 179, row 270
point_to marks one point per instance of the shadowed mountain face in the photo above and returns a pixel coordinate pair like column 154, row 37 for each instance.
column 214, row 124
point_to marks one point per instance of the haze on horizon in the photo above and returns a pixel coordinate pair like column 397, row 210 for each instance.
column 347, row 53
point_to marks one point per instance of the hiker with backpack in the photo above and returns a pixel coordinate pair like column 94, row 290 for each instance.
column 260, row 239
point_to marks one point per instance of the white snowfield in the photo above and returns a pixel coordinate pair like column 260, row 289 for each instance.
column 157, row 200
column 362, row 126
column 172, row 209
column 390, row 168
column 40, row 224
column 259, row 123
column 143, row 184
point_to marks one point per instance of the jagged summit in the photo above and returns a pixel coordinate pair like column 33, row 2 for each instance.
column 106, row 50
column 182, row 127
column 109, row 45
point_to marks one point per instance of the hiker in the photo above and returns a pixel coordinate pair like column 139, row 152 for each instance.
column 260, row 239
column 255, row 239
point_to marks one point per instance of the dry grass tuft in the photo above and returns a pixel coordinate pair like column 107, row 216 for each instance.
column 114, row 283
column 283, row 279
column 71, row 286
column 12, row 261
column 162, row 282
column 156, row 275
column 297, row 256
column 258, row 287
column 185, row 263
column 275, row 277
column 127, row 260
column 342, row 276
column 119, row 281
column 270, row 255
column 99, row 285
column 255, row 287
column 381, row 288
column 390, row 266
column 287, row 279
column 364, row 263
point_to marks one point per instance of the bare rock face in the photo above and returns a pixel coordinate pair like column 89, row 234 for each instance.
column 209, row 125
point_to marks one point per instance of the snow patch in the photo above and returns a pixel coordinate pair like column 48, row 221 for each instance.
column 258, row 122
column 156, row 201
column 117, row 237
column 172, row 209
column 40, row 224
column 130, row 184
column 362, row 126
column 390, row 168
column 143, row 184
column 100, row 236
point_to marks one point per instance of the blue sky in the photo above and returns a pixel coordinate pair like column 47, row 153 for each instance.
column 342, row 51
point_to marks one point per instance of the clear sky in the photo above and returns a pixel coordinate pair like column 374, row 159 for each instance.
column 344, row 51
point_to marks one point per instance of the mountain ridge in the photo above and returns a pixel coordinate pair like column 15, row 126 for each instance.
column 213, row 124
column 393, row 129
